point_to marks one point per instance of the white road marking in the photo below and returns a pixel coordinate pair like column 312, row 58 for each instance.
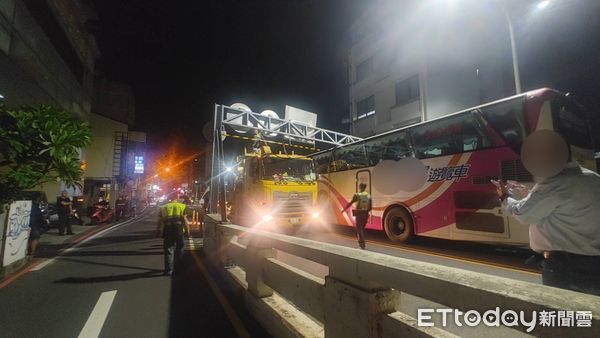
column 42, row 265
column 192, row 245
column 94, row 324
column 74, row 247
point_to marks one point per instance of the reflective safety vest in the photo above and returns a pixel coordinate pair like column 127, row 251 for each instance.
column 364, row 200
column 172, row 212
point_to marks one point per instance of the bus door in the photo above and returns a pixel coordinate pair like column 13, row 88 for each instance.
column 364, row 176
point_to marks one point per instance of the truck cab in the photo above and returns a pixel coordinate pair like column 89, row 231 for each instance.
column 274, row 189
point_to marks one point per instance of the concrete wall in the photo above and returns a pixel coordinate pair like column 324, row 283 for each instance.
column 33, row 72
column 302, row 288
column 99, row 155
column 114, row 100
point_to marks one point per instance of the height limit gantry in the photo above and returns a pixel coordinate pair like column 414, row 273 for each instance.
column 241, row 121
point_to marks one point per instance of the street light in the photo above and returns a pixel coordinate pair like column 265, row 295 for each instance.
column 513, row 46
column 543, row 4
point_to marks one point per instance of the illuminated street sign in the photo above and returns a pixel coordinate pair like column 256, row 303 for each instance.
column 138, row 167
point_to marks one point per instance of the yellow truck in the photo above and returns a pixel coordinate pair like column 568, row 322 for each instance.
column 277, row 190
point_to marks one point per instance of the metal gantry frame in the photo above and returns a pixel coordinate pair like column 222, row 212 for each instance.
column 239, row 119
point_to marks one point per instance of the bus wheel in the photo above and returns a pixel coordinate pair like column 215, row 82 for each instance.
column 398, row 225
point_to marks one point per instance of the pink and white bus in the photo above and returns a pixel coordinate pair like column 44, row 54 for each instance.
column 461, row 153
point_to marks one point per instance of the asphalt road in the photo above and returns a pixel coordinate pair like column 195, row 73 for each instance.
column 113, row 286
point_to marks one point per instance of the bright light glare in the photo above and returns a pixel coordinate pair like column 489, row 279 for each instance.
column 543, row 4
column 315, row 214
column 267, row 218
column 168, row 169
column 228, row 169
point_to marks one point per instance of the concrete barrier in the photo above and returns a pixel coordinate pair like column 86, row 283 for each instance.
column 367, row 294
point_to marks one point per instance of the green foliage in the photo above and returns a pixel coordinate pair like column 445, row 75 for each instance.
column 38, row 145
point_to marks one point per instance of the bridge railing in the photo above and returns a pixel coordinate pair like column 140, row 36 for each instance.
column 300, row 287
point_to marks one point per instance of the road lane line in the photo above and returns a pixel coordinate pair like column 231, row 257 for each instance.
column 95, row 322
column 233, row 317
column 42, row 265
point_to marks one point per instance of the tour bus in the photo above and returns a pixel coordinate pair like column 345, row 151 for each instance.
column 460, row 153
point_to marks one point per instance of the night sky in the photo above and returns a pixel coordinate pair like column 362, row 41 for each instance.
column 183, row 56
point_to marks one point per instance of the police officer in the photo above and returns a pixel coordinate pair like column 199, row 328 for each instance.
column 172, row 225
column 65, row 208
column 363, row 207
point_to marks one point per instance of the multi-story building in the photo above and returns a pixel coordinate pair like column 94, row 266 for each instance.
column 47, row 56
column 116, row 156
column 410, row 61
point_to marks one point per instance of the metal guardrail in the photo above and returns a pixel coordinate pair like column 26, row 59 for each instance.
column 363, row 293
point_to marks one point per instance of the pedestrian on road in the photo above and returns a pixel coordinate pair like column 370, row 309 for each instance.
column 36, row 223
column 65, row 207
column 563, row 212
column 361, row 213
column 133, row 203
column 173, row 225
column 120, row 207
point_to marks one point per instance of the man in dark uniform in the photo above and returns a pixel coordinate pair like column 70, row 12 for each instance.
column 120, row 207
column 172, row 225
column 64, row 205
column 36, row 223
column 363, row 207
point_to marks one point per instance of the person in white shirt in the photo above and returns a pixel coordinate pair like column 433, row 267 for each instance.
column 564, row 216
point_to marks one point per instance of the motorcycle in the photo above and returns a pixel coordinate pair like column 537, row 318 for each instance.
column 101, row 214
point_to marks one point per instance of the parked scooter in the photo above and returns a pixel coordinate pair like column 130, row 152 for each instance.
column 101, row 214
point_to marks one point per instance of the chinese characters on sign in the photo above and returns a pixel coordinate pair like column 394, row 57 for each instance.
column 509, row 318
column 447, row 173
column 138, row 165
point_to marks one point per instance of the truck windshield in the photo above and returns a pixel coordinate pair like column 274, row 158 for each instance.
column 289, row 169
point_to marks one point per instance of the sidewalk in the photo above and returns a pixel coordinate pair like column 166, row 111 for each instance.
column 51, row 242
column 50, row 245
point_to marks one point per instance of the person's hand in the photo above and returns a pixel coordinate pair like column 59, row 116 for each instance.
column 501, row 188
column 517, row 188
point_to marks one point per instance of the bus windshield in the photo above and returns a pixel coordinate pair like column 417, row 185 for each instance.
column 289, row 169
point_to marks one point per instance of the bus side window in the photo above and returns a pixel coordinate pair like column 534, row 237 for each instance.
column 322, row 161
column 393, row 146
column 452, row 135
column 571, row 122
column 508, row 120
column 349, row 157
